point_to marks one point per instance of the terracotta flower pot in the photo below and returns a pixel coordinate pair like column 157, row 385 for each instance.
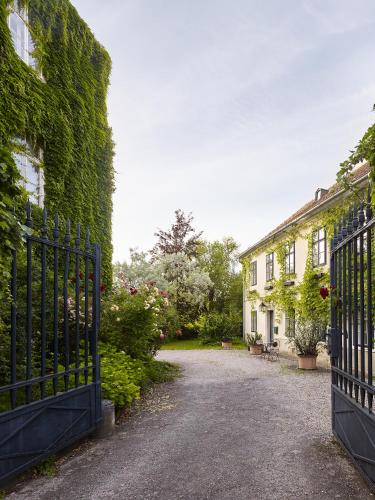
column 227, row 344
column 256, row 349
column 307, row 362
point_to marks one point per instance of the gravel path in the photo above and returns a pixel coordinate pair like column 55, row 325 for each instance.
column 232, row 427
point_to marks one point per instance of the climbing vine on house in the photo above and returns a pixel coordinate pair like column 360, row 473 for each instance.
column 303, row 298
column 63, row 113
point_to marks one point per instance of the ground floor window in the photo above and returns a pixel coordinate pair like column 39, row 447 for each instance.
column 254, row 321
column 290, row 323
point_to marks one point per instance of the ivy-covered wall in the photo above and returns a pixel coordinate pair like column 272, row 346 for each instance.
column 303, row 297
column 64, row 114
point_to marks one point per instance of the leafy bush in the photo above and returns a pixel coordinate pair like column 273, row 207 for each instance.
column 254, row 338
column 215, row 326
column 132, row 320
column 308, row 336
column 121, row 376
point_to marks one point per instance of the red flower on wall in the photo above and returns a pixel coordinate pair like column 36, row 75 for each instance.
column 324, row 292
column 133, row 291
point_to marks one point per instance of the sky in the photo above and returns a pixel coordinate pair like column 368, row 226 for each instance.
column 236, row 111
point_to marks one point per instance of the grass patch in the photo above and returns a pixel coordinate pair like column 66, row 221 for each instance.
column 159, row 372
column 47, row 468
column 190, row 344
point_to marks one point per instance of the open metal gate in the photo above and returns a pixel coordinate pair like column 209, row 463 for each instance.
column 352, row 336
column 49, row 370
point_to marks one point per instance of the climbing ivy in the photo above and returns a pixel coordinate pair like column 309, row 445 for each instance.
column 64, row 113
column 303, row 298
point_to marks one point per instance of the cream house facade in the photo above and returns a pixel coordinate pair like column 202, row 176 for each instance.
column 308, row 247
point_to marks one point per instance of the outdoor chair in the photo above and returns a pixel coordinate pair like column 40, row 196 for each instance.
column 271, row 351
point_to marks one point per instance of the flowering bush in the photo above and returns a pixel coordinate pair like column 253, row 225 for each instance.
column 132, row 319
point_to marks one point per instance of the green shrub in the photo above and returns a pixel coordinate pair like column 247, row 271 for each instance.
column 121, row 376
column 215, row 326
column 132, row 320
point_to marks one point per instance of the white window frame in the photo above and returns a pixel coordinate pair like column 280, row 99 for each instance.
column 26, row 159
column 269, row 266
column 253, row 273
column 319, row 247
column 290, row 258
column 26, row 47
column 253, row 321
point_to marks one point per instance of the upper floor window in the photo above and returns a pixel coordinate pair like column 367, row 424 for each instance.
column 269, row 266
column 253, row 273
column 22, row 41
column 319, row 248
column 28, row 162
column 290, row 257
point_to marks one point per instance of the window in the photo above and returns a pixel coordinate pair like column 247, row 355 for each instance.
column 254, row 321
column 319, row 248
column 290, row 258
column 253, row 273
column 22, row 41
column 290, row 323
column 28, row 163
column 269, row 266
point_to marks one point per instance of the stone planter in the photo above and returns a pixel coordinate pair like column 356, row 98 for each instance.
column 307, row 362
column 256, row 349
column 226, row 344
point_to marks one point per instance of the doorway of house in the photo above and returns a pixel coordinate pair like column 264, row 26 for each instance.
column 270, row 326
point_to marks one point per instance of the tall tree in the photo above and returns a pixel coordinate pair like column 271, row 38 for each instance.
column 180, row 238
column 219, row 259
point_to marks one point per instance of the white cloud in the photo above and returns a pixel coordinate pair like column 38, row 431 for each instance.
column 236, row 111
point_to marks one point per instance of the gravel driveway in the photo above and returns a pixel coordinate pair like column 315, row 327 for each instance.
column 232, row 427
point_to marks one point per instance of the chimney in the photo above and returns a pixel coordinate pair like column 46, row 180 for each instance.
column 319, row 193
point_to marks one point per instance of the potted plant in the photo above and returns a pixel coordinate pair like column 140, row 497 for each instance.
column 226, row 343
column 254, row 342
column 307, row 341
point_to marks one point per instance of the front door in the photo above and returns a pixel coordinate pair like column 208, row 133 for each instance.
column 270, row 326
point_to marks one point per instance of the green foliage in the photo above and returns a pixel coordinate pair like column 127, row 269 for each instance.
column 364, row 151
column 197, row 344
column 218, row 259
column 159, row 372
column 304, row 297
column 47, row 468
column 253, row 339
column 215, row 326
column 132, row 319
column 65, row 115
column 308, row 336
column 121, row 376
column 310, row 304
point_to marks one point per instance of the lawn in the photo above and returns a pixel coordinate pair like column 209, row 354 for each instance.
column 175, row 345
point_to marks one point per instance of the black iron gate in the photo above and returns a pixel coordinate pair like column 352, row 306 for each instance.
column 49, row 364
column 352, row 335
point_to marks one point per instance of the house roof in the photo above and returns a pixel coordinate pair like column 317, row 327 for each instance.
column 358, row 175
